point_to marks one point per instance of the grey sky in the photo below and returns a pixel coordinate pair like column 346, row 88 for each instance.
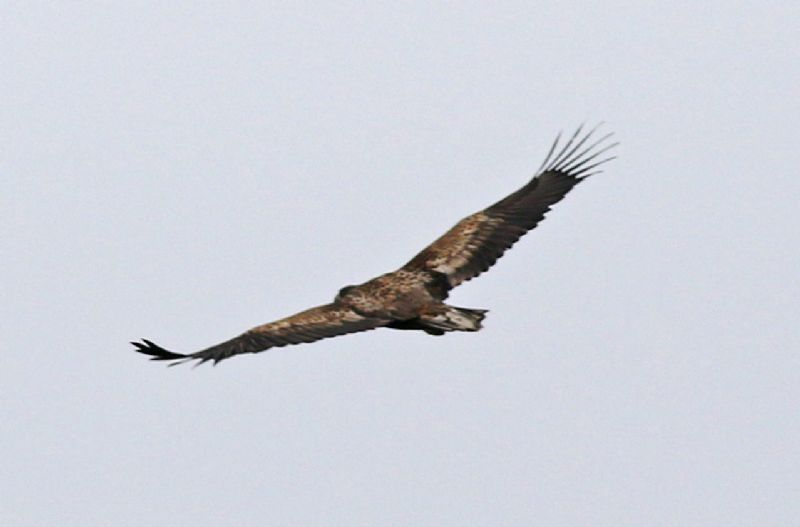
column 184, row 172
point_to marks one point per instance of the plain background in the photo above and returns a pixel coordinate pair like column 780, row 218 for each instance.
column 182, row 172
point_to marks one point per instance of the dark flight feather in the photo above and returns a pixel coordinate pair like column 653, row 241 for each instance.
column 314, row 324
column 475, row 243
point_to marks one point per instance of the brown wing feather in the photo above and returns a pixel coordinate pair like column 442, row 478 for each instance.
column 317, row 323
column 475, row 243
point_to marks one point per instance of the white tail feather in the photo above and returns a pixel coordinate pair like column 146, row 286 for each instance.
column 456, row 319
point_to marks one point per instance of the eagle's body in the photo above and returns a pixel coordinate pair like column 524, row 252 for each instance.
column 412, row 297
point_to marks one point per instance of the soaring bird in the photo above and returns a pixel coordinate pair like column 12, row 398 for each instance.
column 412, row 298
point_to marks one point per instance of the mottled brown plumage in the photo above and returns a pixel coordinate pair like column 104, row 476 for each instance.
column 413, row 297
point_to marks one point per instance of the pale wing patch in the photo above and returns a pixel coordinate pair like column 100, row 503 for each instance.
column 454, row 249
column 327, row 316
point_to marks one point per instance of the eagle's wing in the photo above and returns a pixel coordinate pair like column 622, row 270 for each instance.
column 317, row 323
column 475, row 243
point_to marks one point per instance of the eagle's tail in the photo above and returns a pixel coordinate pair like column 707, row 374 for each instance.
column 450, row 318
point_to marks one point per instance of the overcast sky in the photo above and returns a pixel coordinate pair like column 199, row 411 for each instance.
column 182, row 172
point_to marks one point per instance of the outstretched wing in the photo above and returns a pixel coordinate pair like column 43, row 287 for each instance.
column 475, row 243
column 317, row 323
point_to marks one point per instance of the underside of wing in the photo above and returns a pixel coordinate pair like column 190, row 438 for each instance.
column 475, row 243
column 321, row 322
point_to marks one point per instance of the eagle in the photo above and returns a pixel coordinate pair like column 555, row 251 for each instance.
column 412, row 298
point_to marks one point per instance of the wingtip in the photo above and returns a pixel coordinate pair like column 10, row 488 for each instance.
column 575, row 159
column 156, row 352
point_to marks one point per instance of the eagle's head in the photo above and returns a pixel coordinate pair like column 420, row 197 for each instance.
column 343, row 292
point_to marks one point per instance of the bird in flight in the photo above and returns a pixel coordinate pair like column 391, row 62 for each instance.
column 412, row 298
